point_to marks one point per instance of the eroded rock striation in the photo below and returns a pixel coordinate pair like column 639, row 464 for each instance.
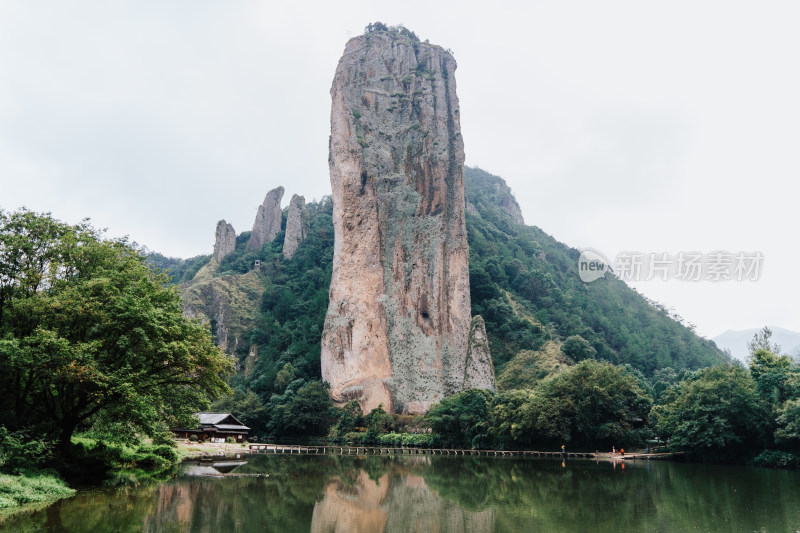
column 268, row 220
column 398, row 320
column 480, row 370
column 229, row 303
column 512, row 208
column 224, row 241
column 295, row 226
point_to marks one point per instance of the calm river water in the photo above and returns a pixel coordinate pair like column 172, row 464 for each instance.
column 435, row 494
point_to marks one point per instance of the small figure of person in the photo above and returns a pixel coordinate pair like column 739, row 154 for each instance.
column 613, row 450
column 563, row 449
column 622, row 451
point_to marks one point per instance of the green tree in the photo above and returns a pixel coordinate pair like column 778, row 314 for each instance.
column 246, row 407
column 508, row 426
column 762, row 340
column 350, row 417
column 591, row 403
column 577, row 348
column 787, row 434
column 285, row 376
column 378, row 421
column 303, row 409
column 88, row 329
column 715, row 414
column 462, row 419
column 774, row 376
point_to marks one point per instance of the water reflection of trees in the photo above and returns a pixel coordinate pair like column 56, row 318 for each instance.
column 432, row 493
column 542, row 495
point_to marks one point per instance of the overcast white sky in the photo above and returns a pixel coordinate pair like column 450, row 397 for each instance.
column 656, row 127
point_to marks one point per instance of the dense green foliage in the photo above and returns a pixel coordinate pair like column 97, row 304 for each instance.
column 91, row 336
column 177, row 270
column 119, row 461
column 715, row 414
column 462, row 419
column 592, row 404
column 20, row 451
column 293, row 305
column 727, row 413
column 302, row 409
column 247, row 407
column 26, row 490
column 281, row 394
column 520, row 271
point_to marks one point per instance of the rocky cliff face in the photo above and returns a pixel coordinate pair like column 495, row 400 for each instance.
column 399, row 313
column 295, row 226
column 491, row 192
column 229, row 303
column 268, row 220
column 225, row 240
column 512, row 208
column 480, row 369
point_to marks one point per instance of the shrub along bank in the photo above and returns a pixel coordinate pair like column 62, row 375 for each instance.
column 30, row 476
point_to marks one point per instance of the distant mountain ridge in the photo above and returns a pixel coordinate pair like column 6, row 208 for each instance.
column 736, row 341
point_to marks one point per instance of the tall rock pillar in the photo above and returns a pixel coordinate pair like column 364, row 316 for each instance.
column 224, row 240
column 295, row 226
column 268, row 220
column 398, row 321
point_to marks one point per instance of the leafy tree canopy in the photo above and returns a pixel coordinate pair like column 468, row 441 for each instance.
column 591, row 404
column 715, row 414
column 89, row 332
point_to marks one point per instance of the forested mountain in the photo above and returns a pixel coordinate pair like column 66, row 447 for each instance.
column 526, row 285
column 523, row 282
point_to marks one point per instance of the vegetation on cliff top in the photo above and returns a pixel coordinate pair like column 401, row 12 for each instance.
column 377, row 27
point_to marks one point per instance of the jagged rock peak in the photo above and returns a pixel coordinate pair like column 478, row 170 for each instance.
column 485, row 190
column 225, row 240
column 512, row 208
column 295, row 226
column 268, row 220
column 399, row 312
column 480, row 370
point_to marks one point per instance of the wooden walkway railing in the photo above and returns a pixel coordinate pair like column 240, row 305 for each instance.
column 389, row 450
column 394, row 450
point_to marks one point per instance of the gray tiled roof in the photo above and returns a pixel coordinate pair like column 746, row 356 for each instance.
column 212, row 418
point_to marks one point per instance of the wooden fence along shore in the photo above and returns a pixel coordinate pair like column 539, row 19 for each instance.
column 388, row 450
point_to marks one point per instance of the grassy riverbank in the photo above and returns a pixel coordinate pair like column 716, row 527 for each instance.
column 31, row 477
column 199, row 449
column 28, row 492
